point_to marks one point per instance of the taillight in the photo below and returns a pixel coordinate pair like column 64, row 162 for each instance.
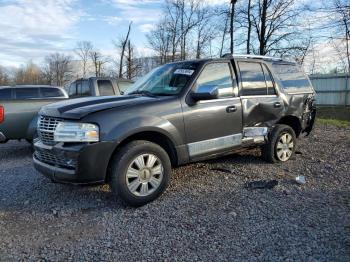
column 2, row 114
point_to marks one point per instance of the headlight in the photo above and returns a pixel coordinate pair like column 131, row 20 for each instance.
column 76, row 132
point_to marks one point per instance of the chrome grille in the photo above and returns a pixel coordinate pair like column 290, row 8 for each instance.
column 47, row 157
column 46, row 129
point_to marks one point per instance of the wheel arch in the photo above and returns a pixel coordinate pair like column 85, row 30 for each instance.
column 293, row 122
column 153, row 136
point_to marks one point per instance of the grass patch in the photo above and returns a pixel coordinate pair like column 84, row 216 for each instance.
column 333, row 122
column 334, row 112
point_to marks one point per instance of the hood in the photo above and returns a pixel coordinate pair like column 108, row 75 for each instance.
column 81, row 107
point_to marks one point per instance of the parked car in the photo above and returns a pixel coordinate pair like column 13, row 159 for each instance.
column 98, row 86
column 19, row 106
column 178, row 113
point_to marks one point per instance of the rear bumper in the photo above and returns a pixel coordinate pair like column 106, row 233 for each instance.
column 76, row 164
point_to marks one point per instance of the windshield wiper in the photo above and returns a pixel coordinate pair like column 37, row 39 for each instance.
column 142, row 92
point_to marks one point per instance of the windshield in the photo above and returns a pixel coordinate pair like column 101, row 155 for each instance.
column 169, row 79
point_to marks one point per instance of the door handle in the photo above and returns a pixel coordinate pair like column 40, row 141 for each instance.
column 231, row 109
column 277, row 105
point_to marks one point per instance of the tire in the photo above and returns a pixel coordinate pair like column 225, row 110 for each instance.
column 134, row 184
column 279, row 148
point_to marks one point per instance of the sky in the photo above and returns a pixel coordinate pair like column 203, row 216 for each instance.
column 31, row 29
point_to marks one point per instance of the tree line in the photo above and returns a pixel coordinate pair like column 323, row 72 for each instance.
column 192, row 29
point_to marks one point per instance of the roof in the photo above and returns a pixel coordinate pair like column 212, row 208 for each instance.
column 29, row 86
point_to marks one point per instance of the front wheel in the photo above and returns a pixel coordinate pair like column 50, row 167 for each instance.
column 281, row 144
column 139, row 172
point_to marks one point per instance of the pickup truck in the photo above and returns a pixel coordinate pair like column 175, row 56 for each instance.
column 98, row 86
column 19, row 106
column 179, row 113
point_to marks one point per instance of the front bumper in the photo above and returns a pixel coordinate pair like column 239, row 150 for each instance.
column 79, row 163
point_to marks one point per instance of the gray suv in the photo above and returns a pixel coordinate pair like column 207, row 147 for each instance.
column 178, row 113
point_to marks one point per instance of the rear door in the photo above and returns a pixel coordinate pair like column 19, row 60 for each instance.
column 214, row 126
column 260, row 101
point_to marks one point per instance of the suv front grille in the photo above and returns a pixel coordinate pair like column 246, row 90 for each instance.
column 46, row 129
column 48, row 157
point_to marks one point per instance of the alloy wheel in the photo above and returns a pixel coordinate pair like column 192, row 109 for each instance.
column 284, row 147
column 144, row 175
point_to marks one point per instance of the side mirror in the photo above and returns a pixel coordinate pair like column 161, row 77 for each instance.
column 205, row 92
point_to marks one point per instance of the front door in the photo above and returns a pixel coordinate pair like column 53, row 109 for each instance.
column 214, row 126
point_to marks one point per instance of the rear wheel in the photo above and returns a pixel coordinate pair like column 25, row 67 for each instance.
column 139, row 172
column 281, row 144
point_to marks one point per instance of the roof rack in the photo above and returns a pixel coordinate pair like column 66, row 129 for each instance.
column 252, row 57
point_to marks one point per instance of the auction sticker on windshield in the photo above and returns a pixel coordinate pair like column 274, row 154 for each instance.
column 188, row 72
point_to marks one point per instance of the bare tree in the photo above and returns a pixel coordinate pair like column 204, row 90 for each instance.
column 83, row 50
column 159, row 40
column 204, row 30
column 224, row 32
column 273, row 23
column 4, row 76
column 98, row 60
column 122, row 45
column 29, row 74
column 232, row 18
column 57, row 69
column 249, row 26
column 342, row 9
column 132, row 66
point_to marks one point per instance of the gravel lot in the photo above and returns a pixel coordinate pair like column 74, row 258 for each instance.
column 205, row 215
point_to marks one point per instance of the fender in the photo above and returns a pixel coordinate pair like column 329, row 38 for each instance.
column 136, row 125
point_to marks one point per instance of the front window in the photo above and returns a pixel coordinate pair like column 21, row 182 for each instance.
column 169, row 79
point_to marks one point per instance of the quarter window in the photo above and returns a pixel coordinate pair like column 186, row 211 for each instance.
column 253, row 79
column 105, row 88
column 219, row 75
column 292, row 77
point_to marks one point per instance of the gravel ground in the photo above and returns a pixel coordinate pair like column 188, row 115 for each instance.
column 205, row 215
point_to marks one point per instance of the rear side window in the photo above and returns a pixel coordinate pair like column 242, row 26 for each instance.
column 27, row 93
column 5, row 94
column 217, row 74
column 105, row 88
column 51, row 92
column 292, row 77
column 253, row 79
